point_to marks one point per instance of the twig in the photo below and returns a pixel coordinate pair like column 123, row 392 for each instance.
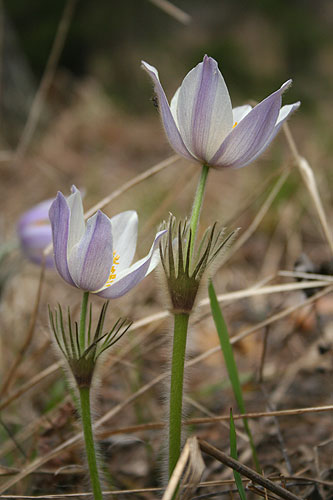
column 310, row 182
column 172, row 10
column 10, row 377
column 32, row 382
column 164, row 314
column 245, row 471
column 46, row 80
column 215, row 419
column 114, row 411
column 133, row 182
column 263, row 354
column 278, row 432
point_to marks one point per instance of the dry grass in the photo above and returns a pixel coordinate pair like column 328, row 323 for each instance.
column 283, row 341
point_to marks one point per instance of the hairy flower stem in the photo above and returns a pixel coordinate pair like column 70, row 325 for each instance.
column 196, row 209
column 176, row 387
column 181, row 321
column 83, row 320
column 89, row 442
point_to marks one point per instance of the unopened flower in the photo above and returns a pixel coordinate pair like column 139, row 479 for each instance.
column 97, row 256
column 183, row 272
column 35, row 234
column 82, row 359
column 202, row 126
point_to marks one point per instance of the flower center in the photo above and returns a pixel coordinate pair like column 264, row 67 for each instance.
column 234, row 124
column 113, row 272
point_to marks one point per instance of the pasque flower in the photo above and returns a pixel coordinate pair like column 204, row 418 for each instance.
column 34, row 233
column 201, row 124
column 97, row 256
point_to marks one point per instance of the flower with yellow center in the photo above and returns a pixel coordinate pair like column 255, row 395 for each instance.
column 84, row 253
column 200, row 122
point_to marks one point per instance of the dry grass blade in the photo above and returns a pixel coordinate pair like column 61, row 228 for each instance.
column 222, row 297
column 117, row 409
column 258, row 326
column 246, row 471
column 172, row 10
column 187, row 473
column 125, row 187
column 38, row 462
column 310, row 182
column 47, row 79
column 10, row 377
column 133, row 182
column 259, row 217
column 32, row 382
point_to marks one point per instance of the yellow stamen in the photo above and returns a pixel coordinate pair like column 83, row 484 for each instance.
column 113, row 273
column 234, row 124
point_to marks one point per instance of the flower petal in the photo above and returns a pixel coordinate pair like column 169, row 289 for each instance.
column 37, row 214
column 169, row 124
column 124, row 233
column 284, row 113
column 134, row 274
column 34, row 239
column 173, row 106
column 59, row 216
column 204, row 109
column 76, row 221
column 91, row 259
column 240, row 112
column 251, row 134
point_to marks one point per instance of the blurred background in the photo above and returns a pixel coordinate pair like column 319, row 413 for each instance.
column 97, row 127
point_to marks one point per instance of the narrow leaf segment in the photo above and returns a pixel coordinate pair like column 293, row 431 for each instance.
column 229, row 359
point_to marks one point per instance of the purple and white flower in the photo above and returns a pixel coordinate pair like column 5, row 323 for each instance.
column 35, row 234
column 202, row 126
column 97, row 256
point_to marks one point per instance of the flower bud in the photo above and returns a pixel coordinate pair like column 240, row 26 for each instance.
column 184, row 272
column 82, row 359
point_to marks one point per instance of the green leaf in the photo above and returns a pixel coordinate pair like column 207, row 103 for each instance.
column 234, row 454
column 228, row 354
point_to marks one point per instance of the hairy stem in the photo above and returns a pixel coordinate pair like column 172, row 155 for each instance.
column 89, row 442
column 176, row 387
column 197, row 204
column 83, row 321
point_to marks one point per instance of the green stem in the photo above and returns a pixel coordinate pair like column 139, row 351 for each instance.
column 176, row 387
column 83, row 321
column 196, row 209
column 89, row 442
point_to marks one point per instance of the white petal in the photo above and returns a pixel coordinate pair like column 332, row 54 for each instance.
column 240, row 112
column 130, row 277
column 173, row 106
column 124, row 233
column 76, row 220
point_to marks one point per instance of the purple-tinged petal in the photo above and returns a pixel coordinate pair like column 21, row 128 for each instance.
column 125, row 234
column 76, row 220
column 240, row 112
column 169, row 124
column 130, row 277
column 37, row 214
column 204, row 109
column 59, row 216
column 34, row 238
column 285, row 112
column 251, row 134
column 91, row 259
